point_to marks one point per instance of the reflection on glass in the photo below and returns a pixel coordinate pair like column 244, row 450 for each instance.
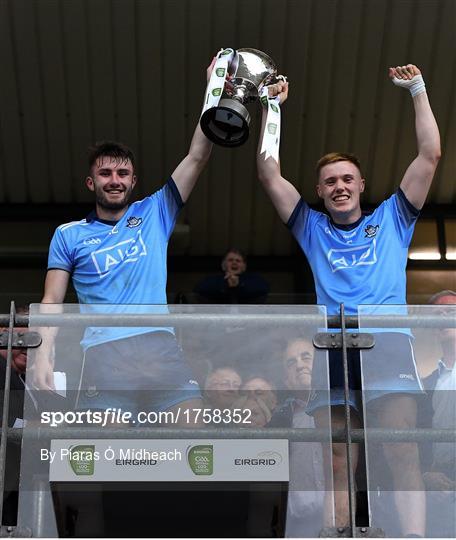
column 142, row 378
column 402, row 476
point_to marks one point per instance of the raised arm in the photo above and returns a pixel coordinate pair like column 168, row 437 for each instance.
column 187, row 172
column 283, row 194
column 419, row 174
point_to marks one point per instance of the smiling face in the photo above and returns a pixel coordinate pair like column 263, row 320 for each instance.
column 112, row 180
column 222, row 387
column 340, row 186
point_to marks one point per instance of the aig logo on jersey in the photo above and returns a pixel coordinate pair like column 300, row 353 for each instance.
column 347, row 258
column 127, row 251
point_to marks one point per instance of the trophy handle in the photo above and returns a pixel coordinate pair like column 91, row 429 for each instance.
column 233, row 65
column 275, row 79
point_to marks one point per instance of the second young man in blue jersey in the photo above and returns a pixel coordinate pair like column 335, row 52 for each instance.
column 118, row 256
column 358, row 259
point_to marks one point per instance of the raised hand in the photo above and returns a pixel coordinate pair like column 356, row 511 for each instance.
column 279, row 89
column 409, row 77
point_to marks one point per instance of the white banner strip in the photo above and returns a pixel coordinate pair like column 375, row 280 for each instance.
column 217, row 81
column 271, row 136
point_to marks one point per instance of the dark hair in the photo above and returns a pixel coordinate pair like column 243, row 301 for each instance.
column 334, row 157
column 112, row 149
column 254, row 375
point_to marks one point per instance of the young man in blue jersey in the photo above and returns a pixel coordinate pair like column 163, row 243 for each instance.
column 357, row 259
column 117, row 255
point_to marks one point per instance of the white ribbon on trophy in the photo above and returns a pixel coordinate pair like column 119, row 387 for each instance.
column 225, row 119
column 271, row 136
column 217, row 81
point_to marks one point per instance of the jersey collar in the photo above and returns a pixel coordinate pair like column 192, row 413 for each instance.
column 349, row 226
column 93, row 217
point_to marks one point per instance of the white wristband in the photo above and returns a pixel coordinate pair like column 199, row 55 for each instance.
column 415, row 85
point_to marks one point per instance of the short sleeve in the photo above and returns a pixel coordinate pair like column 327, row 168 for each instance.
column 59, row 255
column 404, row 215
column 301, row 223
column 170, row 203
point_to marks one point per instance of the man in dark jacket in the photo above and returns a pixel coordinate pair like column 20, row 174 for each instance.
column 235, row 285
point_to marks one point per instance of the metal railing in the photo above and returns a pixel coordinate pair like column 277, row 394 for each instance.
column 340, row 322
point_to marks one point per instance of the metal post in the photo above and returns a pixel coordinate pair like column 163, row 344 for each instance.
column 6, row 397
column 40, row 497
column 348, row 444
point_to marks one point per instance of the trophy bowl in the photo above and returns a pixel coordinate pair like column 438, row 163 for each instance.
column 228, row 123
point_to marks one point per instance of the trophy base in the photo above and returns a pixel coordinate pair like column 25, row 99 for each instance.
column 227, row 124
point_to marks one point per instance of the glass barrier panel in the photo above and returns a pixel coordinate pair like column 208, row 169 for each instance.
column 409, row 400
column 205, row 412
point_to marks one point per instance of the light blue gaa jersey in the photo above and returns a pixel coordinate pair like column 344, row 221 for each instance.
column 119, row 263
column 361, row 263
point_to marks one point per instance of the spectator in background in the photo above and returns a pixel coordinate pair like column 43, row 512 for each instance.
column 235, row 285
column 15, row 416
column 221, row 388
column 255, row 411
column 262, row 388
column 440, row 475
column 17, row 380
column 260, row 398
column 16, row 408
column 306, row 492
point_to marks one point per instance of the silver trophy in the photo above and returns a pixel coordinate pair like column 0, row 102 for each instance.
column 228, row 123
